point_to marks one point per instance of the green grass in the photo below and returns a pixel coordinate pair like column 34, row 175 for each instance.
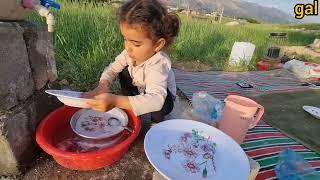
column 87, row 39
column 303, row 26
column 212, row 43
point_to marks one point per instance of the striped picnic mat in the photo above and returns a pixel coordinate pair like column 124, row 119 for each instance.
column 220, row 84
column 263, row 143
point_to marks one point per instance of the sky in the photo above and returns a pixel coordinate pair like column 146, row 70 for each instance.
column 288, row 7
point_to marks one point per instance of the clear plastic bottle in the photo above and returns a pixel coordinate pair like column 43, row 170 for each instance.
column 208, row 108
column 292, row 166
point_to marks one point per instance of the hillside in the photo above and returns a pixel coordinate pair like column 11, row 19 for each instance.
column 238, row 8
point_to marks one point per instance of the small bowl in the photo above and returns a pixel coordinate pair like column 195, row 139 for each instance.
column 314, row 111
column 69, row 98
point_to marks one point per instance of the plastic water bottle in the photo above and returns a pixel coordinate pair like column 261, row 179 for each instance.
column 208, row 108
column 292, row 166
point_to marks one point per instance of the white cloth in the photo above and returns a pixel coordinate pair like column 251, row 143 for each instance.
column 152, row 78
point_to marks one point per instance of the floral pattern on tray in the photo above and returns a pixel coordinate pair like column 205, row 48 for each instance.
column 195, row 153
column 95, row 123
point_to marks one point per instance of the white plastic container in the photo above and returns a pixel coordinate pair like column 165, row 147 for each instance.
column 242, row 53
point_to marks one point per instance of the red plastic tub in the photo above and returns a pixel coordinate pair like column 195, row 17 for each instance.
column 51, row 125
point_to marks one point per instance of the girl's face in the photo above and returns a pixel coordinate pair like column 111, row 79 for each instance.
column 139, row 45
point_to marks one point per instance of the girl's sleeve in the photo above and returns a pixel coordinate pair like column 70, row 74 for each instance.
column 156, row 78
column 112, row 71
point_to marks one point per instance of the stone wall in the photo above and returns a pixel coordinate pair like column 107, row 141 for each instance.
column 27, row 66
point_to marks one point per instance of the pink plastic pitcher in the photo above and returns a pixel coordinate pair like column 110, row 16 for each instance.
column 239, row 115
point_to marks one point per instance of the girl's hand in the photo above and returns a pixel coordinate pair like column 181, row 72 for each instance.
column 100, row 89
column 103, row 102
column 89, row 94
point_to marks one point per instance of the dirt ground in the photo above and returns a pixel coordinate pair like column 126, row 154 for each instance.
column 192, row 66
column 301, row 50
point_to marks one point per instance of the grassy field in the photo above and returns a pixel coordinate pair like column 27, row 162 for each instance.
column 303, row 26
column 87, row 39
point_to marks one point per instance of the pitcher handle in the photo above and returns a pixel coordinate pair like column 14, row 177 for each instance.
column 257, row 117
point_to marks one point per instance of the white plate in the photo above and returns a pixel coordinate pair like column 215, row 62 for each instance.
column 98, row 125
column 184, row 149
column 314, row 111
column 70, row 98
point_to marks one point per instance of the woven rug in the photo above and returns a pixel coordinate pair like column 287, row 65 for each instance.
column 284, row 112
column 220, row 84
column 263, row 143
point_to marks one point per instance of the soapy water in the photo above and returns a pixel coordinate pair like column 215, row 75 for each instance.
column 67, row 140
column 79, row 144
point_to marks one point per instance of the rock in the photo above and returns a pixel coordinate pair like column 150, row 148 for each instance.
column 26, row 67
column 232, row 23
column 16, row 83
column 41, row 56
column 12, row 10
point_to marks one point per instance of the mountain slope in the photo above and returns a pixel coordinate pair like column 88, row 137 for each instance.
column 287, row 6
column 238, row 8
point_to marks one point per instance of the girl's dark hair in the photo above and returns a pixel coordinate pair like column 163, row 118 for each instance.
column 152, row 15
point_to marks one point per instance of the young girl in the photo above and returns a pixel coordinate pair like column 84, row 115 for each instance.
column 144, row 70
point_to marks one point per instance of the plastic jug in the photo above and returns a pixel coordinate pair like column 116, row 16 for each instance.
column 239, row 115
column 241, row 53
